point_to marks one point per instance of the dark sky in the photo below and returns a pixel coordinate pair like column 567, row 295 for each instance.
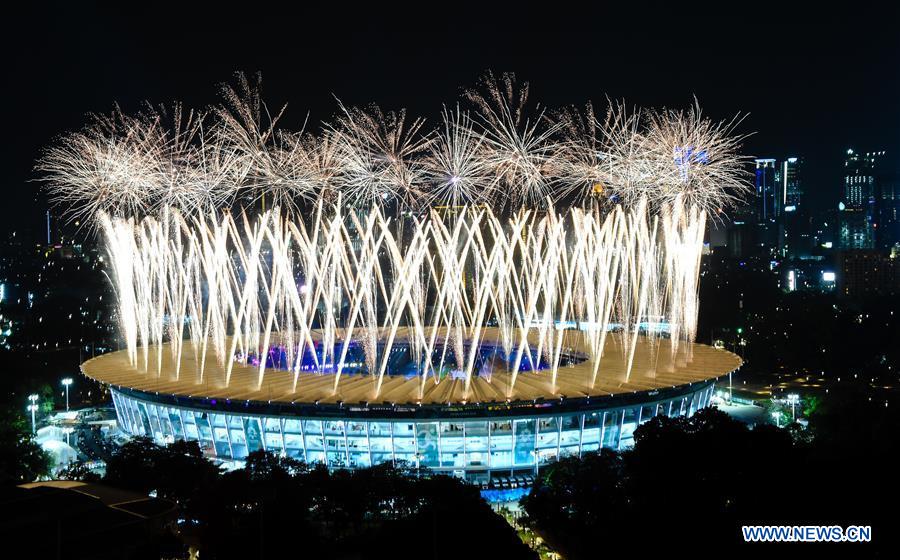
column 814, row 80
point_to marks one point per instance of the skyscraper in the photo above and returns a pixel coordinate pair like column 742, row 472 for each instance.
column 766, row 190
column 887, row 205
column 768, row 204
column 857, row 208
column 793, row 221
column 789, row 181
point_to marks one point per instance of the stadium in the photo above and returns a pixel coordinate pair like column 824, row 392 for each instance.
column 478, row 299
column 483, row 438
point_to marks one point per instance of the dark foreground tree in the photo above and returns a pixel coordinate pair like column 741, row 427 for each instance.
column 279, row 507
column 21, row 458
column 78, row 471
column 177, row 471
column 699, row 479
column 268, row 511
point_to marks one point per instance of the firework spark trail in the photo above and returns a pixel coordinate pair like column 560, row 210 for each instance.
column 456, row 169
column 506, row 153
column 520, row 147
column 272, row 283
column 701, row 160
column 581, row 164
column 324, row 259
column 376, row 155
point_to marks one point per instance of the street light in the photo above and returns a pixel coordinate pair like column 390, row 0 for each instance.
column 66, row 382
column 793, row 398
column 730, row 391
column 777, row 416
column 32, row 408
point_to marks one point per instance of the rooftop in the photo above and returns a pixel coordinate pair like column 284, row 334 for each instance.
column 653, row 368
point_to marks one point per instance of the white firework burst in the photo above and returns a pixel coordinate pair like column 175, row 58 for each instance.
column 267, row 167
column 457, row 172
column 581, row 170
column 113, row 166
column 700, row 158
column 631, row 170
column 519, row 149
column 376, row 154
column 507, row 154
column 179, row 132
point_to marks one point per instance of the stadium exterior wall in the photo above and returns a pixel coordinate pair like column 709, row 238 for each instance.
column 477, row 441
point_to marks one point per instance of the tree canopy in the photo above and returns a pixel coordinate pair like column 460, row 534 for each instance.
column 21, row 458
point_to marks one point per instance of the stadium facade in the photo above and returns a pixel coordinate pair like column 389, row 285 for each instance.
column 480, row 440
column 488, row 439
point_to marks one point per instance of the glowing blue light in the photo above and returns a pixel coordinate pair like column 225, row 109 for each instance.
column 688, row 155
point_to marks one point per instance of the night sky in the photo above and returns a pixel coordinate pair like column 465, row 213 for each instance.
column 814, row 82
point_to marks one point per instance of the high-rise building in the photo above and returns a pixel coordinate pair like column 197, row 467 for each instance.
column 887, row 202
column 858, row 203
column 793, row 221
column 758, row 228
column 766, row 190
column 767, row 204
column 789, row 181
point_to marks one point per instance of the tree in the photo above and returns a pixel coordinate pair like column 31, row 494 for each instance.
column 809, row 405
column 133, row 465
column 78, row 471
column 262, row 465
column 577, row 496
column 783, row 411
column 21, row 458
column 47, row 399
column 276, row 506
column 712, row 473
column 707, row 469
column 176, row 471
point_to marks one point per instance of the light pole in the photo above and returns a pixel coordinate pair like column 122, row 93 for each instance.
column 66, row 382
column 777, row 416
column 793, row 398
column 32, row 408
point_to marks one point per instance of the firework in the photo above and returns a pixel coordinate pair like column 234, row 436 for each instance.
column 457, row 172
column 581, row 167
column 265, row 166
column 376, row 154
column 113, row 167
column 700, row 158
column 509, row 154
column 518, row 147
column 294, row 270
column 246, row 287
